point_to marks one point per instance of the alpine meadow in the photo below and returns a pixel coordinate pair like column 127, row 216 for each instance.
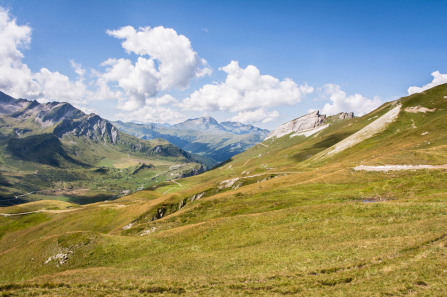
column 165, row 163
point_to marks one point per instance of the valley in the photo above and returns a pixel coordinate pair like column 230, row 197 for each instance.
column 216, row 142
column 292, row 215
column 55, row 151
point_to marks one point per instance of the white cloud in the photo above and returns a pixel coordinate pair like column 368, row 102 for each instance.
column 166, row 60
column 15, row 77
column 165, row 99
column 17, row 80
column 153, row 114
column 438, row 79
column 170, row 63
column 56, row 86
column 77, row 68
column 341, row 102
column 245, row 90
column 138, row 81
column 259, row 115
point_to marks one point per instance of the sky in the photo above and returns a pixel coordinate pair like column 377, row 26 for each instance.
column 258, row 62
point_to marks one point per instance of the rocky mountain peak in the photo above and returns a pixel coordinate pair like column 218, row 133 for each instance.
column 202, row 123
column 9, row 105
column 307, row 122
column 92, row 126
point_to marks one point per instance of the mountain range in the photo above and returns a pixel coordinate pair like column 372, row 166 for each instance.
column 55, row 145
column 204, row 136
column 325, row 206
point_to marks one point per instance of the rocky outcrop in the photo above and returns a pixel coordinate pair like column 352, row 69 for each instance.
column 92, row 126
column 344, row 115
column 416, row 109
column 142, row 167
column 307, row 122
column 193, row 172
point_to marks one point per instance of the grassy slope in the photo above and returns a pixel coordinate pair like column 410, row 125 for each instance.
column 30, row 171
column 292, row 224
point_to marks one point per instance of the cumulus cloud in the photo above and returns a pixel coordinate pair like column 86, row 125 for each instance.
column 341, row 102
column 245, row 90
column 166, row 60
column 259, row 115
column 15, row 77
column 18, row 80
column 56, row 86
column 78, row 68
column 153, row 114
column 438, row 79
column 165, row 99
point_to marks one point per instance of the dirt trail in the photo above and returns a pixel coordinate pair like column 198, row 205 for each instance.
column 37, row 211
column 172, row 188
column 230, row 182
column 385, row 168
column 176, row 183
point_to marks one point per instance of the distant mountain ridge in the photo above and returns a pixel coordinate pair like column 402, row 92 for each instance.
column 204, row 136
column 60, row 142
column 209, row 123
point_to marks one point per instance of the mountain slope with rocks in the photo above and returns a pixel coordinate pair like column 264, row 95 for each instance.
column 202, row 136
column 307, row 124
column 284, row 217
column 55, row 145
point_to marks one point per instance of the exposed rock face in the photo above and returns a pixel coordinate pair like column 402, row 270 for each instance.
column 307, row 122
column 345, row 115
column 143, row 166
column 92, row 126
column 9, row 105
column 416, row 109
column 45, row 115
column 193, row 172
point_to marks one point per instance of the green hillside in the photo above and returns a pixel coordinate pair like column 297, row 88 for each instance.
column 55, row 151
column 290, row 216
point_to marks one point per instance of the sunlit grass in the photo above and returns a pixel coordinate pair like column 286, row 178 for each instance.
column 292, row 224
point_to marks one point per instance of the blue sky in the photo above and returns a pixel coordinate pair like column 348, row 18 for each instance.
column 292, row 56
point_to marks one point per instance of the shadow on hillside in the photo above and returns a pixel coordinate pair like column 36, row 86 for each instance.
column 222, row 163
column 319, row 146
column 79, row 199
column 9, row 201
